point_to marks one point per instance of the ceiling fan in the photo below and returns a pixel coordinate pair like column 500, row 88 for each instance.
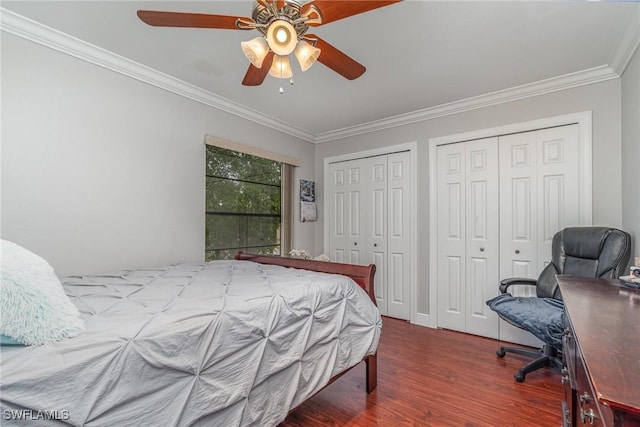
column 284, row 25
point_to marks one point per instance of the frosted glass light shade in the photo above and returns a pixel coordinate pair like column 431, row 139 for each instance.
column 282, row 37
column 255, row 50
column 306, row 54
column 281, row 67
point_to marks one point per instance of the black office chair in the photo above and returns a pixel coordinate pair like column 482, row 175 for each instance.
column 579, row 251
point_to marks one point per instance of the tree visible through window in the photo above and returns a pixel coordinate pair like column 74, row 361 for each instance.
column 243, row 204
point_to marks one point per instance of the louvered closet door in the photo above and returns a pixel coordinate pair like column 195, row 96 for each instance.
column 467, row 236
column 539, row 174
column 345, row 222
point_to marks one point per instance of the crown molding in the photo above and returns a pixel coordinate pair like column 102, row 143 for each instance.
column 567, row 81
column 36, row 32
column 629, row 44
column 619, row 61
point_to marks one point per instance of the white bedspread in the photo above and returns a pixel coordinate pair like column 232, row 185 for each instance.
column 219, row 344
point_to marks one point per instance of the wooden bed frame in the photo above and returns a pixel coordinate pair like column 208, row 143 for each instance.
column 361, row 274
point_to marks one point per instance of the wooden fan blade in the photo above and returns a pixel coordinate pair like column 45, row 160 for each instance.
column 333, row 10
column 266, row 3
column 255, row 76
column 337, row 60
column 194, row 20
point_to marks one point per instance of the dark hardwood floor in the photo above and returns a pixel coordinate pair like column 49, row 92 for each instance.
column 435, row 377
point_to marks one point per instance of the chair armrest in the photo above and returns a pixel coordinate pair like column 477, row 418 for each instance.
column 515, row 281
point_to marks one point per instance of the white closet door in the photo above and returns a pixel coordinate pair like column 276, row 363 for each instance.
column 451, row 236
column 370, row 223
column 518, row 222
column 558, row 174
column 375, row 220
column 399, row 235
column 468, row 244
column 345, row 222
column 518, row 207
column 482, row 243
column 539, row 174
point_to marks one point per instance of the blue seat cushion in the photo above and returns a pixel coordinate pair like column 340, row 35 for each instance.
column 543, row 317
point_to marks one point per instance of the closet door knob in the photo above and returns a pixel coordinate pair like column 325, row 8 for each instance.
column 355, row 243
column 375, row 245
column 517, row 251
column 481, row 249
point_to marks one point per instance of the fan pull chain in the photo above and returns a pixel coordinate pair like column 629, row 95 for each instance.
column 281, row 88
column 291, row 82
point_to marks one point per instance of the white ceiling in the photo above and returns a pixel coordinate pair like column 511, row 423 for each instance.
column 419, row 54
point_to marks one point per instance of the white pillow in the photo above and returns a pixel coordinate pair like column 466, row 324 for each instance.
column 33, row 306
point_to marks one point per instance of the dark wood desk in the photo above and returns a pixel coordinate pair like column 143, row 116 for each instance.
column 601, row 353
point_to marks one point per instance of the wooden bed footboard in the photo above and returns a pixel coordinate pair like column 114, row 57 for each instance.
column 361, row 274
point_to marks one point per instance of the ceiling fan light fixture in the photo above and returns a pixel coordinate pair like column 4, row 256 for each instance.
column 281, row 67
column 281, row 37
column 255, row 50
column 282, row 23
column 306, row 54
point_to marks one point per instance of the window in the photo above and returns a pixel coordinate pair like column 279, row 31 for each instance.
column 246, row 197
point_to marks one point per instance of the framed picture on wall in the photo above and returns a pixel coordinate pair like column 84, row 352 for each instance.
column 307, row 201
column 307, row 191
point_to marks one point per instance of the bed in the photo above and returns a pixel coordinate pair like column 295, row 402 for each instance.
column 224, row 343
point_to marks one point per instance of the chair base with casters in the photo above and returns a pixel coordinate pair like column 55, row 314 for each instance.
column 602, row 252
column 545, row 357
column 543, row 317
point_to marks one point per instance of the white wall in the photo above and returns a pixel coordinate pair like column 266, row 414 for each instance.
column 603, row 99
column 103, row 172
column 631, row 149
